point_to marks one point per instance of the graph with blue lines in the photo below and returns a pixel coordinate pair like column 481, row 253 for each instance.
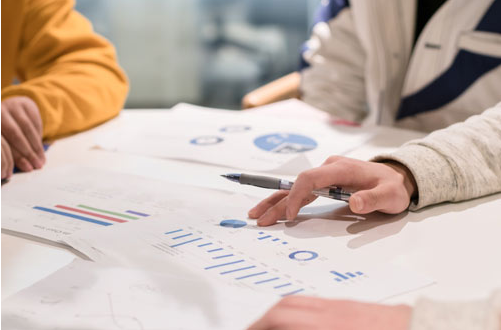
column 265, row 237
column 341, row 277
column 224, row 262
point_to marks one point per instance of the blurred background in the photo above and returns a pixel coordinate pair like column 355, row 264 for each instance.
column 205, row 52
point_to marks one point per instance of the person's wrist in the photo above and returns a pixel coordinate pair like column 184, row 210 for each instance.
column 408, row 179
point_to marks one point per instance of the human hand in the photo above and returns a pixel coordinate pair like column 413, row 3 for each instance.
column 22, row 130
column 301, row 312
column 7, row 161
column 386, row 187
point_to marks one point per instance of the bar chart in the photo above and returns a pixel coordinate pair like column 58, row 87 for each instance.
column 91, row 214
column 265, row 237
column 340, row 277
column 233, row 266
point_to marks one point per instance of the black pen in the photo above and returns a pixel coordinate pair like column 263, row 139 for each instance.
column 280, row 184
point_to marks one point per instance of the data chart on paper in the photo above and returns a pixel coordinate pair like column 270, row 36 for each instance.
column 240, row 254
column 61, row 202
column 167, row 227
column 238, row 139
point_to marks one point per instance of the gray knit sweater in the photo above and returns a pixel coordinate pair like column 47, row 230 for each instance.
column 457, row 163
column 471, row 315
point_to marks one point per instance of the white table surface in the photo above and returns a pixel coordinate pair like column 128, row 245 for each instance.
column 459, row 245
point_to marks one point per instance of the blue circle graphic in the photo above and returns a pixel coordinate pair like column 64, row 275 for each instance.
column 303, row 255
column 206, row 140
column 232, row 223
column 235, row 129
column 285, row 143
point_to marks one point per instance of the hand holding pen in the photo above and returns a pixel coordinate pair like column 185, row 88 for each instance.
column 281, row 184
column 384, row 187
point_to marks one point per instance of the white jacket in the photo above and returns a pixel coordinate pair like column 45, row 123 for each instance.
column 363, row 65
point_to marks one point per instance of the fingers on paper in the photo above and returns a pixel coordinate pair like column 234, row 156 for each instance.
column 258, row 210
column 330, row 174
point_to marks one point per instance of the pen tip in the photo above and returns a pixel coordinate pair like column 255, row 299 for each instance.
column 231, row 177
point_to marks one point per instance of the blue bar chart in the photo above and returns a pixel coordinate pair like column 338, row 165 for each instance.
column 264, row 237
column 340, row 277
column 220, row 261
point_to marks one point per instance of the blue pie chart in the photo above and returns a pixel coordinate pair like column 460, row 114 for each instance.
column 233, row 223
column 285, row 143
column 303, row 255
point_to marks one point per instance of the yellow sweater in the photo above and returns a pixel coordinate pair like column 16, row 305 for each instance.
column 68, row 70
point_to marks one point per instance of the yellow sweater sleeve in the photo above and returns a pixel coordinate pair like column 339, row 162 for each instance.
column 68, row 70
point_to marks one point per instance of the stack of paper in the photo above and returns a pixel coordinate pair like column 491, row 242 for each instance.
column 248, row 140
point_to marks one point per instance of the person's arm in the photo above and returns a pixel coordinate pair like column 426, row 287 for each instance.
column 301, row 312
column 473, row 315
column 70, row 72
column 334, row 79
column 458, row 163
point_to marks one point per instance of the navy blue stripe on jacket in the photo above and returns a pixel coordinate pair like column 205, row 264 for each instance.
column 466, row 68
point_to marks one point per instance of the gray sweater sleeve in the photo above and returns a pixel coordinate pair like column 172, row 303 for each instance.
column 472, row 315
column 457, row 163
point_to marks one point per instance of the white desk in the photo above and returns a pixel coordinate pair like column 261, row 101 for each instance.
column 459, row 245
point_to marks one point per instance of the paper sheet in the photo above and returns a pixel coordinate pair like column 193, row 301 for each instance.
column 244, row 140
column 202, row 232
column 84, row 295
column 63, row 201
column 238, row 253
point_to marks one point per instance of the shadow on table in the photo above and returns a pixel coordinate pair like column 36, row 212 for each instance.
column 338, row 221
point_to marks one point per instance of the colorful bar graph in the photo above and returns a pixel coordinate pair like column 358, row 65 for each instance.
column 97, row 215
column 74, row 216
column 125, row 216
